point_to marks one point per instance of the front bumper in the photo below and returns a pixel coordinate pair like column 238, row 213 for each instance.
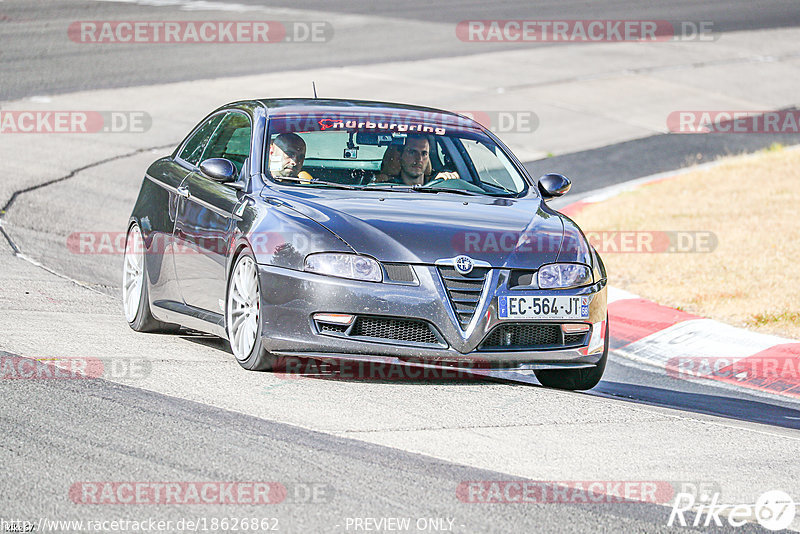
column 291, row 298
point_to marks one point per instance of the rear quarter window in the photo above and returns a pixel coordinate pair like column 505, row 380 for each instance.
column 196, row 144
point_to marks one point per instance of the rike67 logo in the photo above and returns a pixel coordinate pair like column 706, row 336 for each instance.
column 773, row 510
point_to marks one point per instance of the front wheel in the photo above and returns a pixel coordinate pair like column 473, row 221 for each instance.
column 243, row 316
column 575, row 379
column 135, row 298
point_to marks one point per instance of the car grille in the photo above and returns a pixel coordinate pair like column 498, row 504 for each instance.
column 530, row 336
column 406, row 330
column 464, row 291
column 397, row 329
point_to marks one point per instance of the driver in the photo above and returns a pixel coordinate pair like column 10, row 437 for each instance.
column 286, row 156
column 413, row 162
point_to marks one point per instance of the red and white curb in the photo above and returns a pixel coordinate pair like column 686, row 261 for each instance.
column 690, row 347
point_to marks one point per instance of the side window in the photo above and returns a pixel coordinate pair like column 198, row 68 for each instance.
column 439, row 156
column 493, row 166
column 197, row 143
column 231, row 140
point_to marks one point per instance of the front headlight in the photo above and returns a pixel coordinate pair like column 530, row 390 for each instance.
column 564, row 275
column 344, row 266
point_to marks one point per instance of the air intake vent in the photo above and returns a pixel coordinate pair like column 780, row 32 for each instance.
column 328, row 328
column 464, row 291
column 524, row 336
column 407, row 330
column 398, row 272
column 571, row 340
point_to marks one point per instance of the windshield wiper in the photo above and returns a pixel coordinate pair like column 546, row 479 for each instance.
column 428, row 189
column 387, row 187
column 296, row 180
column 334, row 184
column 421, row 188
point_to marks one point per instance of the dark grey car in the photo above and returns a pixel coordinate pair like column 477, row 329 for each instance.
column 334, row 229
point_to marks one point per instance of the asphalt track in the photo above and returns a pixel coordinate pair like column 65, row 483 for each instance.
column 35, row 59
column 176, row 425
column 183, row 440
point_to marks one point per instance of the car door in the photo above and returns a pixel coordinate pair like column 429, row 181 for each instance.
column 205, row 222
column 167, row 175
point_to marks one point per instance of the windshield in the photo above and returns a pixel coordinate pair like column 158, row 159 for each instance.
column 413, row 154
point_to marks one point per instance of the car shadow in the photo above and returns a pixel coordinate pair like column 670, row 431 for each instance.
column 354, row 371
column 742, row 409
column 748, row 408
column 380, row 372
column 207, row 340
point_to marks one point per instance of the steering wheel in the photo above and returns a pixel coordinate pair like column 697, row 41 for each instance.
column 368, row 178
column 454, row 183
column 436, row 181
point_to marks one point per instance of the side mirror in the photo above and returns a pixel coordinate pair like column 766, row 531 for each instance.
column 219, row 169
column 553, row 185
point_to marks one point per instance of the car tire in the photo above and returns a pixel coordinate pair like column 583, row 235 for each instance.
column 135, row 294
column 575, row 379
column 243, row 318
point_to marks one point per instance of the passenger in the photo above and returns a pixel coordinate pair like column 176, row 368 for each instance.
column 411, row 164
column 286, row 156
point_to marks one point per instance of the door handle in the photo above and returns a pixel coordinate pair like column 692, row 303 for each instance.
column 183, row 191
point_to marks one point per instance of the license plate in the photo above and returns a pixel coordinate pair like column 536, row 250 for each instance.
column 529, row 307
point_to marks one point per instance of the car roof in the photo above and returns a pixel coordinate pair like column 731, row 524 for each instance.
column 278, row 107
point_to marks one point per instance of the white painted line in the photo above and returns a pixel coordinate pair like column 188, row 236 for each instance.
column 605, row 193
column 615, row 294
column 700, row 338
column 648, row 366
column 697, row 338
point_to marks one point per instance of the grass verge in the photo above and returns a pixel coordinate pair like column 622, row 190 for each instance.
column 749, row 206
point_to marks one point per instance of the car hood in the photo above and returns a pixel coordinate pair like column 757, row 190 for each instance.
column 422, row 228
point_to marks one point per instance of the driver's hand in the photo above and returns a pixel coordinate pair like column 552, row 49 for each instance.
column 447, row 176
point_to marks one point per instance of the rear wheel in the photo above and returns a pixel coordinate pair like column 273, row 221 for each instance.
column 134, row 288
column 575, row 379
column 243, row 316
